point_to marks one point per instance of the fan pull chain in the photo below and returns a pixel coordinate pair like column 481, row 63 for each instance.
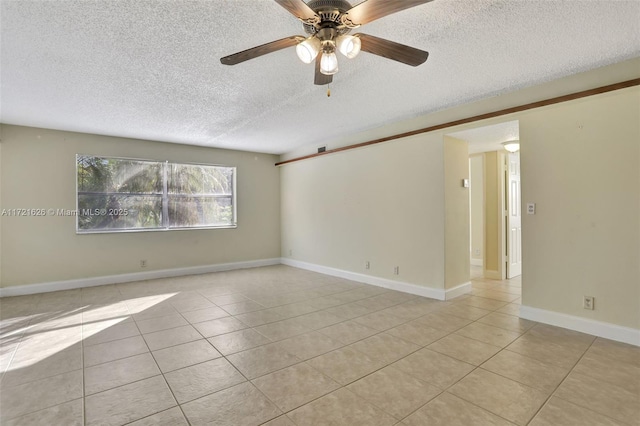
column 328, row 90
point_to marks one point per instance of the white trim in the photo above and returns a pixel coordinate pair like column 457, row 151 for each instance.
column 476, row 262
column 433, row 293
column 584, row 325
column 458, row 290
column 134, row 276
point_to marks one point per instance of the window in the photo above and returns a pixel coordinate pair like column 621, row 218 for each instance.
column 116, row 194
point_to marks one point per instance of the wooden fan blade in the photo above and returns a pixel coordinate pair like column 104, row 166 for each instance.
column 370, row 10
column 263, row 49
column 392, row 50
column 300, row 10
column 321, row 79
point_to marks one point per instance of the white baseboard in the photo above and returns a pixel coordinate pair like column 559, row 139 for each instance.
column 476, row 262
column 22, row 290
column 585, row 325
column 433, row 293
column 458, row 290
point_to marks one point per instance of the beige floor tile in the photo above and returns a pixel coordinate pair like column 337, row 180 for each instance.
column 318, row 320
column 529, row 371
column 510, row 309
column 464, row 349
column 417, row 332
column 508, row 399
column 155, row 311
column 161, row 323
column 111, row 351
column 465, row 311
column 434, row 368
column 294, row 386
column 385, row 347
column 262, row 360
column 254, row 319
column 184, row 355
column 562, row 337
column 394, row 391
column 605, row 398
column 67, row 414
column 488, row 334
column 238, row 341
column 280, row 421
column 19, row 400
column 496, row 295
column 171, row 417
column 616, row 351
column 128, row 403
column 348, row 332
column 340, row 408
column 377, row 303
column 545, row 351
column 219, row 326
column 172, row 337
column 242, row 307
column 207, row 314
column 620, row 373
column 449, row 410
column 192, row 304
column 96, row 333
column 292, row 310
column 228, row 299
column 558, row 412
column 508, row 322
column 484, row 303
column 117, row 373
column 348, row 311
column 440, row 321
column 282, row 329
column 241, row 405
column 380, row 320
column 309, row 345
column 345, row 365
column 48, row 358
column 203, row 379
column 325, row 302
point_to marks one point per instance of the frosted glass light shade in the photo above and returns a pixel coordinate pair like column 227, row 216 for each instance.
column 349, row 45
column 308, row 49
column 329, row 63
column 511, row 146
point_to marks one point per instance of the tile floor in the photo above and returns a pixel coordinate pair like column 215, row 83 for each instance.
column 282, row 346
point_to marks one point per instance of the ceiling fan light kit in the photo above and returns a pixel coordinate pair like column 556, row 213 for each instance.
column 328, row 23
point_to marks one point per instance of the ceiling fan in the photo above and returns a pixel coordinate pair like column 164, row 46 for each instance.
column 328, row 24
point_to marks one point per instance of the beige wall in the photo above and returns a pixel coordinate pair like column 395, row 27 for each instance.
column 476, row 200
column 492, row 215
column 383, row 203
column 581, row 166
column 456, row 219
column 38, row 171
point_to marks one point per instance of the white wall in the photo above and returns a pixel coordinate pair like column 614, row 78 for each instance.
column 581, row 166
column 383, row 203
column 476, row 203
column 456, row 220
column 38, row 171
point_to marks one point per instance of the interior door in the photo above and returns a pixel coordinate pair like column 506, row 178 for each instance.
column 514, row 217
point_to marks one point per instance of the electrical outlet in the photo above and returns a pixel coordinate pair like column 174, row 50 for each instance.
column 476, row 252
column 396, row 270
column 367, row 265
column 588, row 302
column 143, row 263
column 290, row 252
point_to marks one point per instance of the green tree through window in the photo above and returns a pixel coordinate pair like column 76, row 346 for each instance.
column 116, row 194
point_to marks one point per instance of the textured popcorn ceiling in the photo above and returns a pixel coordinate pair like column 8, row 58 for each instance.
column 151, row 69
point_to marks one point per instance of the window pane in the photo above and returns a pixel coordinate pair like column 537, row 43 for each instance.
column 99, row 212
column 199, row 179
column 187, row 211
column 97, row 174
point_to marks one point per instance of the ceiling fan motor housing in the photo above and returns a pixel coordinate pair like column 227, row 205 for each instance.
column 329, row 12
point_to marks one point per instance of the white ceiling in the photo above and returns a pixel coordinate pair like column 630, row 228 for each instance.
column 151, row 70
column 489, row 138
